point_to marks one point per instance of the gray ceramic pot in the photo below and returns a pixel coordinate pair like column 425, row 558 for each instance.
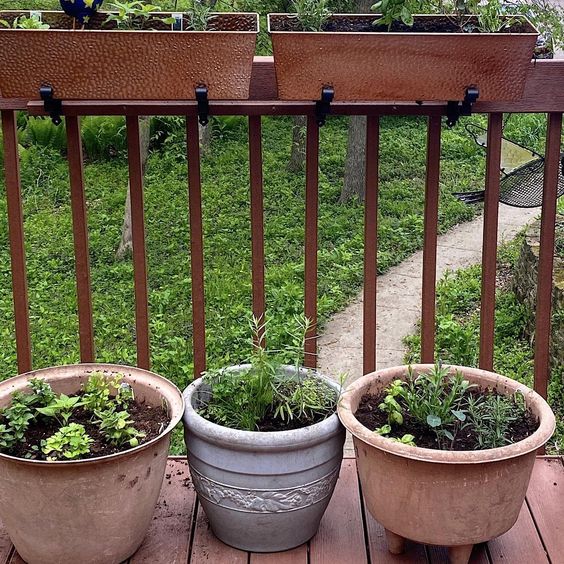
column 262, row 492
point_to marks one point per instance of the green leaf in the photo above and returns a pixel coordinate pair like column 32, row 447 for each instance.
column 460, row 415
column 434, row 421
column 449, row 435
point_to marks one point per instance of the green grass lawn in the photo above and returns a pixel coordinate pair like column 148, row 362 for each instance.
column 227, row 241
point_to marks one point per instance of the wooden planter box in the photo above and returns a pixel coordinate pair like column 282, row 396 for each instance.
column 406, row 65
column 110, row 64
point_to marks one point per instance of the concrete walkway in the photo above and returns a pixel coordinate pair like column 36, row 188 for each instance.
column 399, row 297
column 399, row 300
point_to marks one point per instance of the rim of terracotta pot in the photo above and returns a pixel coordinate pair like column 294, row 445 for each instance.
column 523, row 18
column 137, row 31
column 539, row 406
column 168, row 390
column 260, row 441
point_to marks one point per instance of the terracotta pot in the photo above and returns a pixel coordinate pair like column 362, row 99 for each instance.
column 95, row 64
column 87, row 511
column 398, row 65
column 262, row 491
column 454, row 499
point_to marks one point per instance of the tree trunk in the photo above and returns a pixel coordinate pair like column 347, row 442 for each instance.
column 126, row 241
column 353, row 184
column 298, row 155
column 205, row 133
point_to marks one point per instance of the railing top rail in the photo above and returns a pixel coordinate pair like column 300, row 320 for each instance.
column 544, row 92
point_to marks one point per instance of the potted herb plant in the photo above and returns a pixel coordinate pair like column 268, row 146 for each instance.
column 444, row 454
column 83, row 451
column 135, row 52
column 264, row 447
column 398, row 55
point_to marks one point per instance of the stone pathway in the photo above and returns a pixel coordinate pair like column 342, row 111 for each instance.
column 399, row 299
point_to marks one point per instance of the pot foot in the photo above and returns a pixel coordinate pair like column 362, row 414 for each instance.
column 396, row 544
column 460, row 554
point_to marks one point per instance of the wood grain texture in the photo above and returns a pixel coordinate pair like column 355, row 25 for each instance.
column 520, row 545
column 545, row 498
column 168, row 539
column 439, row 555
column 297, row 555
column 208, row 549
column 340, row 538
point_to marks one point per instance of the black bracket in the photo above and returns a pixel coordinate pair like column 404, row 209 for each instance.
column 323, row 106
column 203, row 105
column 52, row 106
column 464, row 108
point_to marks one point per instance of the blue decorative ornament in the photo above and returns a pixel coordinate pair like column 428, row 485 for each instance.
column 81, row 10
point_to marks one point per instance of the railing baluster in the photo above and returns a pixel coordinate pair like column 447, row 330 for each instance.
column 546, row 254
column 16, row 235
column 138, row 239
column 430, row 240
column 196, row 245
column 489, row 244
column 370, row 243
column 80, row 234
column 257, row 220
column 311, row 209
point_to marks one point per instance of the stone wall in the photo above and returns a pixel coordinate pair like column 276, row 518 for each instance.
column 525, row 285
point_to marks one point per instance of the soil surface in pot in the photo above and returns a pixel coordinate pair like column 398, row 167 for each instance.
column 149, row 420
column 305, row 409
column 371, row 416
column 60, row 21
column 365, row 24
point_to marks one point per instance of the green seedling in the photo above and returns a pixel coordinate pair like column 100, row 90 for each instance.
column 70, row 442
column 118, row 428
column 62, row 407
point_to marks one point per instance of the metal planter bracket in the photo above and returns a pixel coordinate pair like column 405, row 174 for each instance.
column 203, row 105
column 52, row 106
column 323, row 105
column 464, row 108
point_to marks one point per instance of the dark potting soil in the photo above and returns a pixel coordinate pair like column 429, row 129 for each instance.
column 237, row 22
column 365, row 24
column 371, row 416
column 146, row 419
column 270, row 423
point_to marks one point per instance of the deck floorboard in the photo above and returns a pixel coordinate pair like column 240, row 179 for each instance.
column 180, row 532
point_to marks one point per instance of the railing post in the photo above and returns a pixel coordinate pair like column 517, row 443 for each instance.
column 257, row 222
column 430, row 240
column 489, row 244
column 80, row 235
column 16, row 235
column 138, row 239
column 196, row 245
column 546, row 254
column 311, row 210
column 370, row 243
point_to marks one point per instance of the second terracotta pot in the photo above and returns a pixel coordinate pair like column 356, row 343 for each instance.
column 447, row 498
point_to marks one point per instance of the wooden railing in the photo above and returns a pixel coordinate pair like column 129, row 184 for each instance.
column 544, row 92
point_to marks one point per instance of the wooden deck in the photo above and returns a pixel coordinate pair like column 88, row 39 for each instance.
column 180, row 533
